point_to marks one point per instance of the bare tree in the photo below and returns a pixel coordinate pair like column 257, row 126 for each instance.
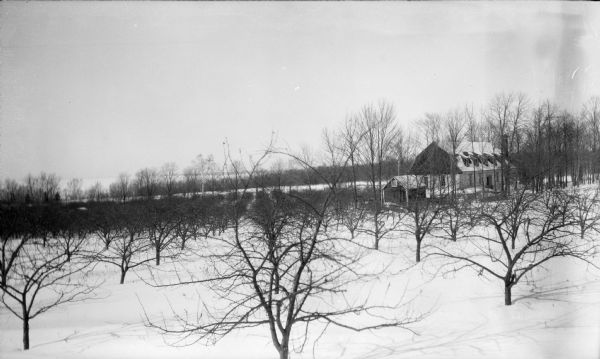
column 168, row 173
column 586, row 209
column 192, row 177
column 431, row 127
column 378, row 133
column 422, row 219
column 43, row 188
column 276, row 267
column 104, row 222
column 473, row 132
column 122, row 188
column 72, row 228
column 505, row 116
column 129, row 246
column 591, row 115
column 161, row 224
column 454, row 125
column 146, row 181
column 545, row 233
column 43, row 278
column 50, row 184
column 13, row 191
column 96, row 192
column 351, row 138
column 74, row 191
column 15, row 231
column 454, row 218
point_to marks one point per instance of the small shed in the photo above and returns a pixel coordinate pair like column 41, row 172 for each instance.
column 400, row 189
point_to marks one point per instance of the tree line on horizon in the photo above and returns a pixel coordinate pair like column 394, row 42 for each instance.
column 549, row 146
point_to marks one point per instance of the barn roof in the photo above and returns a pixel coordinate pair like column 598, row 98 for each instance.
column 467, row 146
column 434, row 160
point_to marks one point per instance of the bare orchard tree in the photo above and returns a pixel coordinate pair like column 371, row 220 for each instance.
column 378, row 133
column 350, row 215
column 277, row 268
column 129, row 247
column 454, row 219
column 350, row 212
column 15, row 230
column 72, row 229
column 41, row 279
column 546, row 232
column 586, row 209
column 103, row 222
column 161, row 224
column 192, row 220
column 422, row 219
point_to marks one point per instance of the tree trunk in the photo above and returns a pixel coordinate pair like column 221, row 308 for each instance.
column 25, row 331
column 284, row 350
column 157, row 255
column 418, row 251
column 376, row 229
column 123, row 272
column 508, row 295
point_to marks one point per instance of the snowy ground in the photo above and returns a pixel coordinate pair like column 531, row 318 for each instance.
column 559, row 317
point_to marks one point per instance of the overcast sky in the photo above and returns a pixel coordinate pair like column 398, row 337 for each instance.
column 93, row 89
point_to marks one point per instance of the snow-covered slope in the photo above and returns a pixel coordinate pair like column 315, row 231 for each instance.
column 556, row 317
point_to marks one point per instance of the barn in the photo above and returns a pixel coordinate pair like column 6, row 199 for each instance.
column 476, row 166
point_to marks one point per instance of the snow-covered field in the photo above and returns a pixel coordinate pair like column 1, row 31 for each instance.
column 558, row 316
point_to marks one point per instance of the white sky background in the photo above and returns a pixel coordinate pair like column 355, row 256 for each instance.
column 92, row 89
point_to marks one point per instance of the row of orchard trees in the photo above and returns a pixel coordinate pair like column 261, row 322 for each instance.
column 48, row 250
column 506, row 237
column 270, row 255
